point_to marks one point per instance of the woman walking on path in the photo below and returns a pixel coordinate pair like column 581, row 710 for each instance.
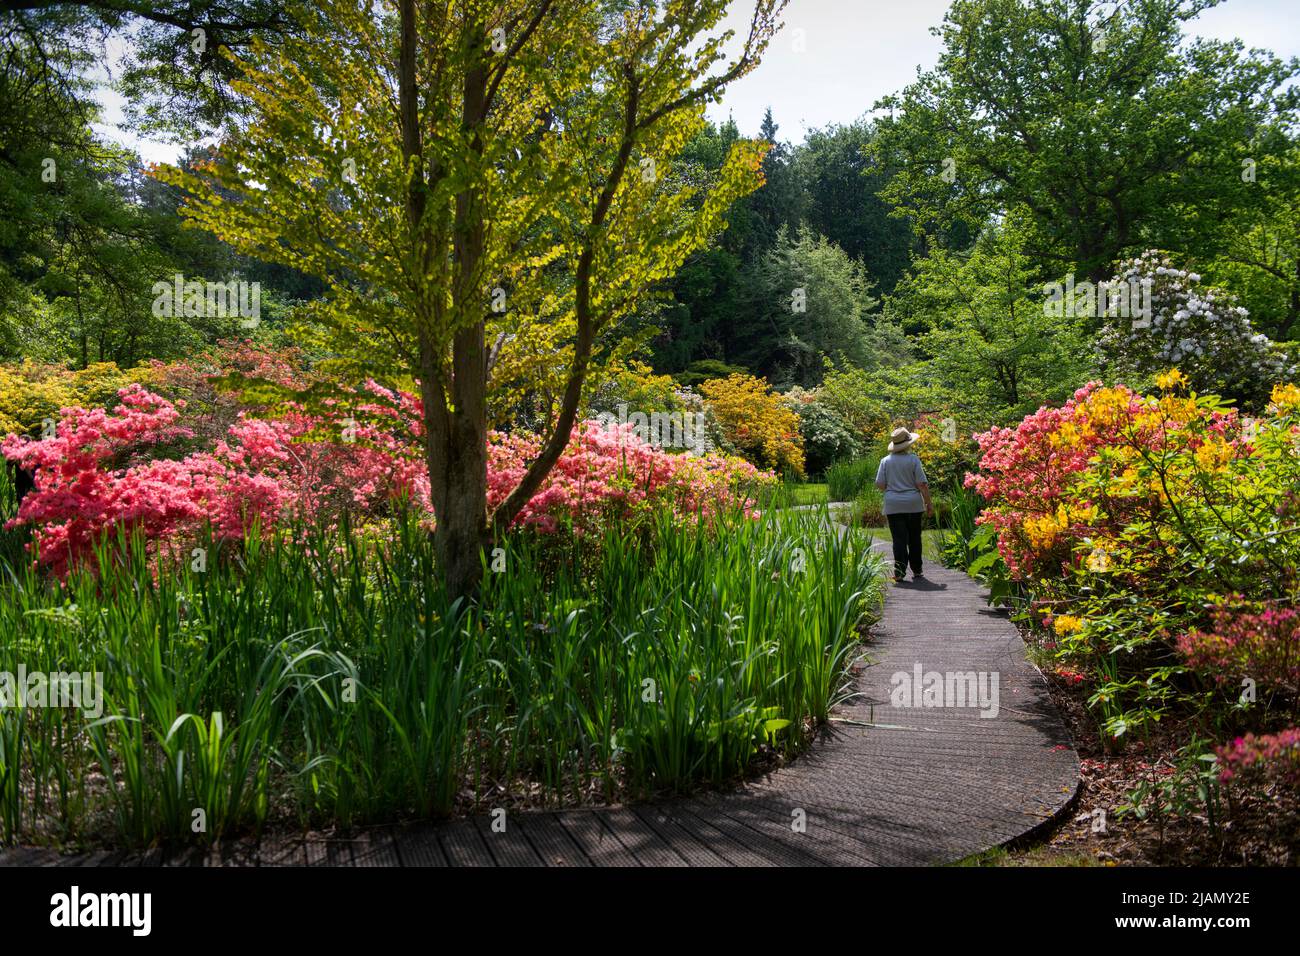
column 907, row 499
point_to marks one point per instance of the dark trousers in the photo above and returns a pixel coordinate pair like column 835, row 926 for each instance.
column 906, row 532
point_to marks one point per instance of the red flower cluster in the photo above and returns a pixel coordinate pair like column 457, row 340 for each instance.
column 1071, row 676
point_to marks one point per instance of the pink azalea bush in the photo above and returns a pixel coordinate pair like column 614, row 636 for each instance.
column 80, row 494
column 612, row 473
column 1265, row 755
column 105, row 470
column 1154, row 538
column 1026, row 472
column 1264, row 644
column 78, row 497
column 1085, row 472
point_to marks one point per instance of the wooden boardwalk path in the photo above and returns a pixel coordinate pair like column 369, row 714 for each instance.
column 889, row 785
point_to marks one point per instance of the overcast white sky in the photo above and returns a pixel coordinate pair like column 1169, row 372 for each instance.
column 856, row 51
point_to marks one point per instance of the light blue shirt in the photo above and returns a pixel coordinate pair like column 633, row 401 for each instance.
column 901, row 474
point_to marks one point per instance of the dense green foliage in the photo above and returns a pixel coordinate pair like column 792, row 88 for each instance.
column 1114, row 132
column 859, row 216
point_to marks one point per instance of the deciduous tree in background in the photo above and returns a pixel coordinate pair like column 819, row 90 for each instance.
column 466, row 174
column 984, row 329
column 1106, row 122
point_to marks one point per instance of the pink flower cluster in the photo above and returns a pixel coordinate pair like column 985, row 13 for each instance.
column 1276, row 753
column 611, row 473
column 78, row 494
column 96, row 473
column 1264, row 645
column 1031, row 474
column 1028, row 469
column 1022, row 465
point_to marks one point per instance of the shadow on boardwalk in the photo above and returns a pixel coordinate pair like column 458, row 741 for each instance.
column 887, row 786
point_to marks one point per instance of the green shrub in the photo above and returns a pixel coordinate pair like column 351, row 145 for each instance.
column 706, row 370
column 12, row 540
column 869, row 506
column 959, row 528
column 827, row 437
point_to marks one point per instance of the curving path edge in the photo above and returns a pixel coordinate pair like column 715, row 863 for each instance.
column 886, row 786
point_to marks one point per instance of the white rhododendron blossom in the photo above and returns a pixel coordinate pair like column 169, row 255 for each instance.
column 1201, row 330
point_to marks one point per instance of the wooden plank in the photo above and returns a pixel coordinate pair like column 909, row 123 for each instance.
column 463, row 846
column 28, row 856
column 509, row 847
column 419, row 846
column 284, row 851
column 780, row 846
column 321, row 852
column 694, row 851
column 185, row 856
column 154, row 856
column 552, row 842
column 375, row 848
column 736, row 854
column 639, row 839
column 597, row 842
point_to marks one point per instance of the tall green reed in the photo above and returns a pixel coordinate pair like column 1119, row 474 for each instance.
column 322, row 676
column 846, row 479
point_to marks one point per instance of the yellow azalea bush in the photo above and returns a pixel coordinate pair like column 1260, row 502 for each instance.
column 1286, row 398
column 31, row 394
column 1067, row 624
column 1159, row 538
column 757, row 422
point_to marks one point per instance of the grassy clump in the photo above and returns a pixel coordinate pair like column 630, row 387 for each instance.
column 323, row 678
column 846, row 480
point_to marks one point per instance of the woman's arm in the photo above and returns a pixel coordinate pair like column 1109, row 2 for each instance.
column 924, row 488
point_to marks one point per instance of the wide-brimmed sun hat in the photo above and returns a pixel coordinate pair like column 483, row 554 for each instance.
column 901, row 438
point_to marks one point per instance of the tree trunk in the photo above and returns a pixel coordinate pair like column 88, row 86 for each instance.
column 455, row 398
column 456, row 456
column 1288, row 327
column 461, row 534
